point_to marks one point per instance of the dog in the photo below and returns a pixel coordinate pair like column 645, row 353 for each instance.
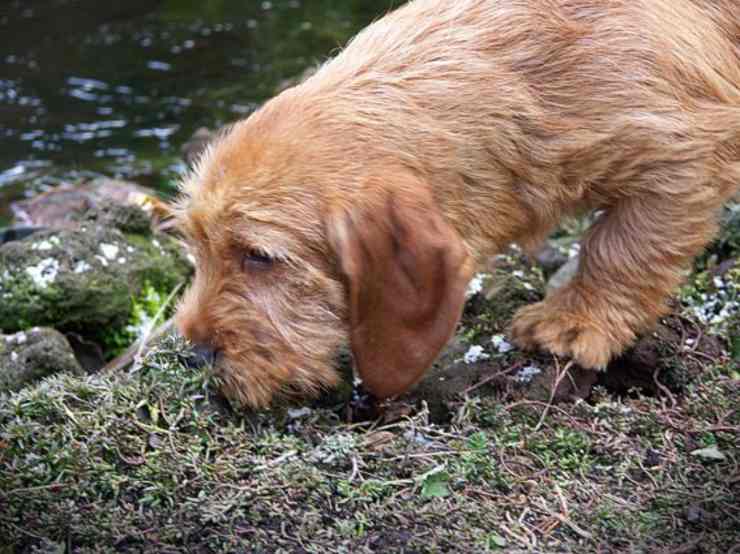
column 354, row 208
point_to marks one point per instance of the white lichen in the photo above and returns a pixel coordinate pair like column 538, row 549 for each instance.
column 44, row 273
column 110, row 251
column 527, row 373
column 475, row 353
column 299, row 413
column 46, row 244
column 475, row 285
column 18, row 338
column 82, row 266
column 716, row 310
column 501, row 344
column 522, row 278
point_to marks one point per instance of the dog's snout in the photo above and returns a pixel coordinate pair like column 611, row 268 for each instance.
column 204, row 355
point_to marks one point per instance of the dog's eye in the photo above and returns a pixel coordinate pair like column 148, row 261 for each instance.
column 256, row 259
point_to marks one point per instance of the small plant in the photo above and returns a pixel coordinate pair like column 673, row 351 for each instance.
column 567, row 449
column 144, row 310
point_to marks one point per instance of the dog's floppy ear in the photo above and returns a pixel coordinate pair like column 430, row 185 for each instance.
column 406, row 271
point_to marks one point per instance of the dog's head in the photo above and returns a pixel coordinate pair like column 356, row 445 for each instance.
column 296, row 258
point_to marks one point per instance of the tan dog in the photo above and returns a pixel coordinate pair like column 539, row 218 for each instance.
column 354, row 208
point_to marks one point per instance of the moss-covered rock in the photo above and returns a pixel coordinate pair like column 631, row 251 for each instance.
column 28, row 356
column 86, row 279
column 61, row 206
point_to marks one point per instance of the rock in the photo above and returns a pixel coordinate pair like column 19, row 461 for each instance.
column 83, row 279
column 31, row 355
column 18, row 232
column 194, row 147
column 125, row 218
column 550, row 259
column 563, row 275
column 60, row 207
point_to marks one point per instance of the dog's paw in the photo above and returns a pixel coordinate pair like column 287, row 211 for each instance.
column 542, row 326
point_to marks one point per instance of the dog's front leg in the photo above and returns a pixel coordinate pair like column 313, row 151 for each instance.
column 633, row 257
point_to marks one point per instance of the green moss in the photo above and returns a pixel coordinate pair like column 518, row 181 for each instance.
column 68, row 302
column 167, row 265
column 92, row 281
column 565, row 449
column 143, row 311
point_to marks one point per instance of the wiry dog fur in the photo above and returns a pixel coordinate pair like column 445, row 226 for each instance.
column 353, row 208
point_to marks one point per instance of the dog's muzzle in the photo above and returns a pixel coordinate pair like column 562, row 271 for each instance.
column 203, row 356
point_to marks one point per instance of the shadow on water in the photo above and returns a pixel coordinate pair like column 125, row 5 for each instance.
column 115, row 87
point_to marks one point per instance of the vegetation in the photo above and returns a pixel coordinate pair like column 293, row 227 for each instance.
column 155, row 460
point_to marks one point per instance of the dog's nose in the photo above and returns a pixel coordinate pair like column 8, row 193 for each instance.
column 203, row 355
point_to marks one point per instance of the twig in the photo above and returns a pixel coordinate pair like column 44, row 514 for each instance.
column 559, row 377
column 509, row 407
column 685, row 549
column 663, row 388
column 125, row 359
column 490, row 378
column 566, row 521
column 355, row 469
column 277, row 461
column 515, row 536
column 563, row 502
column 704, row 355
column 145, row 339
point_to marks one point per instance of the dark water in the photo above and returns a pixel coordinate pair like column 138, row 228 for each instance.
column 114, row 87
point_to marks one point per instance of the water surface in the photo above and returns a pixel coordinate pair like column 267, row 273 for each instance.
column 94, row 87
